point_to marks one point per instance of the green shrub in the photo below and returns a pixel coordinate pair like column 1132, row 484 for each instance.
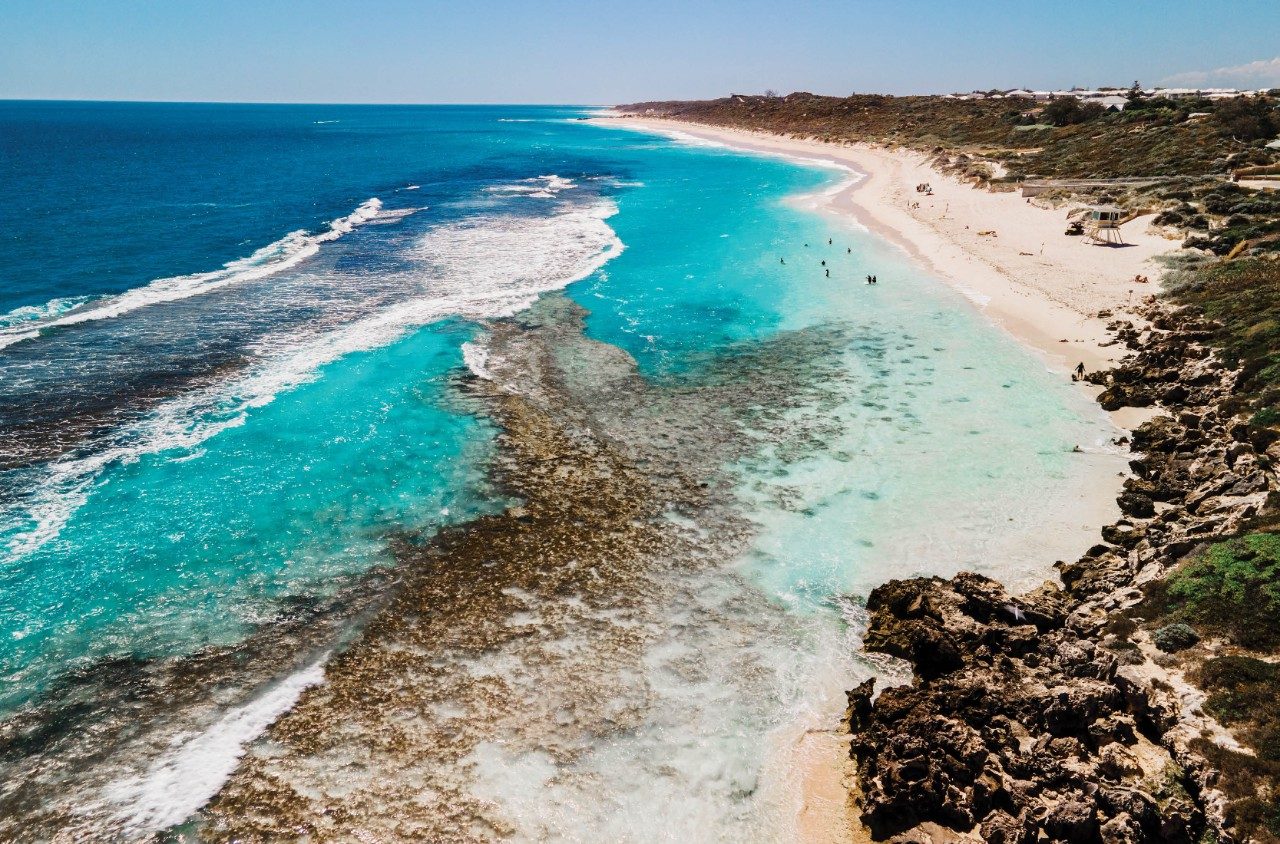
column 1246, row 118
column 1265, row 417
column 1233, row 588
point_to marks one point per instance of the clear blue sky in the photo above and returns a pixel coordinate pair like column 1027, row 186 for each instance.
column 608, row 52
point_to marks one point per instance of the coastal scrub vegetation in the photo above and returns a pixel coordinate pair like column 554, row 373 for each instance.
column 1064, row 138
column 1232, row 588
column 1242, row 692
column 1243, row 297
column 1249, row 783
column 1068, row 111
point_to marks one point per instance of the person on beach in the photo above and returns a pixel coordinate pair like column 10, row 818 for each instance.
column 782, row 260
column 828, row 241
column 848, row 250
column 828, row 273
column 1080, row 369
column 868, row 279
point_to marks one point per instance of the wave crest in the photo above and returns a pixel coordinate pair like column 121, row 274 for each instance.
column 484, row 267
column 288, row 251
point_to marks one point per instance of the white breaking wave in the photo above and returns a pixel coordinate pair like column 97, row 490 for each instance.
column 476, row 357
column 33, row 313
column 284, row 253
column 481, row 268
column 539, row 187
column 393, row 215
column 853, row 175
column 692, row 140
column 184, row 778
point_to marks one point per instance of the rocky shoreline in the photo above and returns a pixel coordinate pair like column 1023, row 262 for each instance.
column 1053, row 715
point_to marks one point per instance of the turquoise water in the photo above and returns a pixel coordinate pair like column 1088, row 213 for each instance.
column 947, row 439
column 190, row 545
column 212, row 417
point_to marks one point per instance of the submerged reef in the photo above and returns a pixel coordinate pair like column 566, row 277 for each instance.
column 517, row 645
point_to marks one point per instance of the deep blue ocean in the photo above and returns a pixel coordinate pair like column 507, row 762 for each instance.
column 231, row 350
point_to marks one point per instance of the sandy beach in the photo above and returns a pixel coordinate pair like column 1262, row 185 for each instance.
column 1010, row 257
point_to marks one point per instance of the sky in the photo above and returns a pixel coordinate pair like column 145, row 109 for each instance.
column 605, row 52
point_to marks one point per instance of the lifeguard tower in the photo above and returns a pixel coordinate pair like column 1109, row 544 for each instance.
column 1102, row 225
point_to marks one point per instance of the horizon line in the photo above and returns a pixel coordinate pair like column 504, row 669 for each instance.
column 291, row 102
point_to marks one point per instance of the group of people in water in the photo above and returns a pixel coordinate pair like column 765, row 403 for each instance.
column 823, row 263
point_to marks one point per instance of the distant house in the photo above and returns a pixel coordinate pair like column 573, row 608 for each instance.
column 1113, row 102
column 1020, row 92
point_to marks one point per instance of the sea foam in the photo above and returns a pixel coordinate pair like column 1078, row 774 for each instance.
column 482, row 267
column 289, row 251
column 184, row 778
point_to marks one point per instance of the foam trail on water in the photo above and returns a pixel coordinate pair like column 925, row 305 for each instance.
column 288, row 251
column 476, row 357
column 524, row 257
column 32, row 313
column 853, row 175
column 539, row 187
column 183, row 779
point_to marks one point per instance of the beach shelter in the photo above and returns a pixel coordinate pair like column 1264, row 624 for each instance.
column 1103, row 224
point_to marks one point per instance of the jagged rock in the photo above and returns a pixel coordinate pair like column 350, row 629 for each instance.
column 1115, row 761
column 1000, row 827
column 1018, row 726
column 1075, row 821
column 1136, row 504
column 1121, row 829
column 1114, row 398
column 1124, row 534
column 860, row 703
